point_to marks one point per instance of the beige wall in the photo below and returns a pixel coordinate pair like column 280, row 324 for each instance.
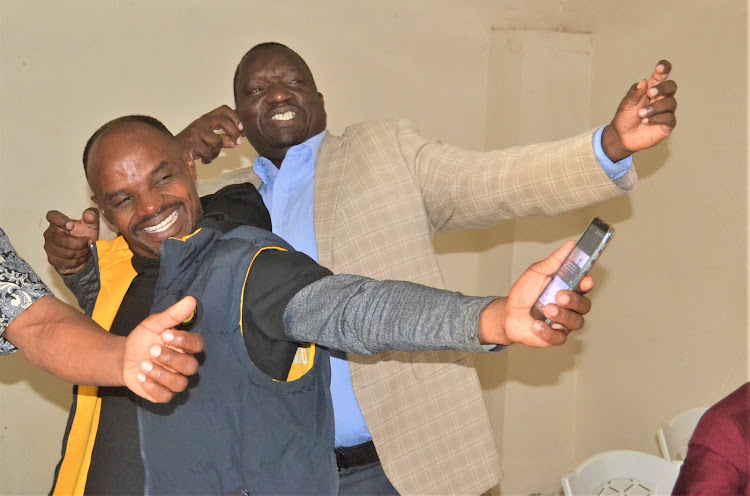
column 669, row 329
column 678, row 315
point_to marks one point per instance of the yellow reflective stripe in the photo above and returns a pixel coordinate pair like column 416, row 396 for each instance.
column 71, row 479
column 303, row 360
column 116, row 273
column 185, row 238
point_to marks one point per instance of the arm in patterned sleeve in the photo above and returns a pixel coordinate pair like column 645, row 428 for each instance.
column 19, row 288
column 57, row 338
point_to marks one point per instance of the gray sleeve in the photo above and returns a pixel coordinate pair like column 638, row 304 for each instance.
column 85, row 285
column 359, row 315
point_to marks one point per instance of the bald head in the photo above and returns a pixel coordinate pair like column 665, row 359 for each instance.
column 143, row 182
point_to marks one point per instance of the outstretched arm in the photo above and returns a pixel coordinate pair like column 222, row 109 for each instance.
column 152, row 361
column 360, row 315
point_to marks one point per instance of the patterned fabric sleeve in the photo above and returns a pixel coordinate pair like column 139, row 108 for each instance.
column 19, row 288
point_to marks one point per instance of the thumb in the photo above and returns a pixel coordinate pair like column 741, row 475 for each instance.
column 554, row 261
column 90, row 216
column 635, row 94
column 172, row 316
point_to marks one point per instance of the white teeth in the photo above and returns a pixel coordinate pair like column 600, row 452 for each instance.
column 286, row 116
column 163, row 225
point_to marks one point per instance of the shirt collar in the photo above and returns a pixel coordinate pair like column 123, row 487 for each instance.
column 267, row 171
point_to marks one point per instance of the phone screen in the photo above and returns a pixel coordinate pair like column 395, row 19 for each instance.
column 576, row 265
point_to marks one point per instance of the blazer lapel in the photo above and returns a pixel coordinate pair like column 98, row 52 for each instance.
column 329, row 171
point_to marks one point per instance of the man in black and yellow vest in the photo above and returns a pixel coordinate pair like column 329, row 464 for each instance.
column 258, row 418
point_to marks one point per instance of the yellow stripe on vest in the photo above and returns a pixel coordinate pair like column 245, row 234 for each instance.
column 304, row 359
column 116, row 273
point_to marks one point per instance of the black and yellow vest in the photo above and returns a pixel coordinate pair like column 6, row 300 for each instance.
column 234, row 430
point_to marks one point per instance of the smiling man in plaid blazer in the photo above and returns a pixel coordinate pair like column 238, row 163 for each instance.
column 368, row 202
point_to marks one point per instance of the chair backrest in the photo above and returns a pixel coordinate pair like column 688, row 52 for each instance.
column 621, row 472
column 674, row 435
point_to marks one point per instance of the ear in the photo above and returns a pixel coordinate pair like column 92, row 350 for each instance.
column 187, row 156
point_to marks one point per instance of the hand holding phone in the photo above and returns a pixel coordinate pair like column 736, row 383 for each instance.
column 576, row 265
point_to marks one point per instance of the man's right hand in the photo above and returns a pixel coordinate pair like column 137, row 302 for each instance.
column 67, row 241
column 208, row 134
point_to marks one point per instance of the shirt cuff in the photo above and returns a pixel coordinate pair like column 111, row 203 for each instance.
column 614, row 170
column 493, row 348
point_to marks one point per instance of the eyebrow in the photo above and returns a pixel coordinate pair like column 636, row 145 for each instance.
column 110, row 196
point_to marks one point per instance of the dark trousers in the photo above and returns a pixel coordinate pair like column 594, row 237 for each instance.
column 365, row 480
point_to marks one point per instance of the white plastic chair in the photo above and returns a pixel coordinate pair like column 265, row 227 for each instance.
column 674, row 435
column 621, row 472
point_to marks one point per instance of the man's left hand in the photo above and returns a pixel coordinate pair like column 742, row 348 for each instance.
column 507, row 320
column 158, row 358
column 645, row 117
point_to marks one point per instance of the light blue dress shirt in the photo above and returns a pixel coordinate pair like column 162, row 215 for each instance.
column 288, row 195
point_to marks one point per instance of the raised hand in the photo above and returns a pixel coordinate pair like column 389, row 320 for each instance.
column 67, row 241
column 645, row 117
column 158, row 358
column 208, row 134
column 507, row 320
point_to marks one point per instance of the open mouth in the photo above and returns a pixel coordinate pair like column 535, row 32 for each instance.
column 163, row 225
column 286, row 116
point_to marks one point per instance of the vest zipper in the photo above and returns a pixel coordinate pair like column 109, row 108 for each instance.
column 140, row 447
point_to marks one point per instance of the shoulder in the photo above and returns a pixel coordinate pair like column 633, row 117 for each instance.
column 726, row 425
column 379, row 128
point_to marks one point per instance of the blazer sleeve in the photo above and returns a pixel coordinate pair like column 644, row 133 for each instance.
column 465, row 189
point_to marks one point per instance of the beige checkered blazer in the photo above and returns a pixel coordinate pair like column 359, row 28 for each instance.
column 381, row 192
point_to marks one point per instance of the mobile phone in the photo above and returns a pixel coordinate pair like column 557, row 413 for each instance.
column 576, row 265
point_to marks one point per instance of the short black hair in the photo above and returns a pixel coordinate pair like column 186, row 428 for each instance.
column 261, row 46
column 114, row 124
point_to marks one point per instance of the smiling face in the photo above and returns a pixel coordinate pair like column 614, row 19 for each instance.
column 144, row 183
column 277, row 101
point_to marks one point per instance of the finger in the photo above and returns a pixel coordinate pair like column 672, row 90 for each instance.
column 586, row 285
column 667, row 88
column 230, row 126
column 90, row 216
column 153, row 391
column 59, row 219
column 169, row 379
column 546, row 335
column 228, row 142
column 661, row 73
column 568, row 319
column 201, row 151
column 667, row 120
column 663, row 105
column 183, row 341
column 61, row 242
column 174, row 360
column 571, row 300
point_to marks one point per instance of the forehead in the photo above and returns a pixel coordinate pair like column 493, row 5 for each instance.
column 133, row 149
column 272, row 59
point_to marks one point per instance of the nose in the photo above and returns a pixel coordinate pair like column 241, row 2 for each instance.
column 278, row 93
column 150, row 203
